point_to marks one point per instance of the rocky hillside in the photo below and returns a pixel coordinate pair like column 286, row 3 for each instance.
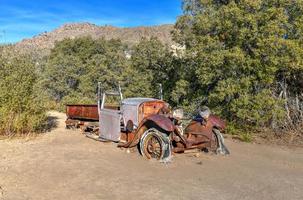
column 45, row 41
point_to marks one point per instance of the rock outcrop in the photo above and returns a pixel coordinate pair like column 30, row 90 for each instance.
column 46, row 41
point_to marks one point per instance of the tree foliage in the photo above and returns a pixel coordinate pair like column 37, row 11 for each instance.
column 241, row 54
column 75, row 66
column 150, row 65
column 21, row 108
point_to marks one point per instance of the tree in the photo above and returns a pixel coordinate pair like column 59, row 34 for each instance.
column 22, row 108
column 151, row 65
column 75, row 66
column 237, row 52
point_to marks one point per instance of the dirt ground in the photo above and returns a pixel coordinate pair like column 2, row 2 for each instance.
column 63, row 164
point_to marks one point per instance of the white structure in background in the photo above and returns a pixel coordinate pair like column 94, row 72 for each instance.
column 177, row 50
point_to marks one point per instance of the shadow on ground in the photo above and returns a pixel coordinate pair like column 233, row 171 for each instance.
column 51, row 124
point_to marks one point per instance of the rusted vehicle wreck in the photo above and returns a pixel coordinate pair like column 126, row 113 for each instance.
column 150, row 125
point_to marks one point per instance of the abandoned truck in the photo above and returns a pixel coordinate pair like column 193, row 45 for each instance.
column 150, row 125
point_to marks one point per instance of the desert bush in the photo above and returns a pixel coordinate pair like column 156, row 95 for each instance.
column 21, row 108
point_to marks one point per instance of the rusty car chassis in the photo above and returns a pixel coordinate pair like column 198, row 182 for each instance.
column 150, row 125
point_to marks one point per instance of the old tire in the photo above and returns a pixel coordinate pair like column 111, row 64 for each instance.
column 155, row 145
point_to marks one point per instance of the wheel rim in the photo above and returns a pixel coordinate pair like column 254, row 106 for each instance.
column 153, row 147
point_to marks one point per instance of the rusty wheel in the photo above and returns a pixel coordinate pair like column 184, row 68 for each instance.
column 214, row 145
column 155, row 145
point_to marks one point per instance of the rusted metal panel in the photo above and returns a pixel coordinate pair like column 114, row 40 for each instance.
column 162, row 121
column 149, row 108
column 130, row 109
column 203, row 134
column 136, row 109
column 110, row 124
column 217, row 122
column 82, row 111
column 130, row 112
column 196, row 128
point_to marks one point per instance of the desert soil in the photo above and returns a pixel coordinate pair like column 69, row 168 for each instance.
column 64, row 164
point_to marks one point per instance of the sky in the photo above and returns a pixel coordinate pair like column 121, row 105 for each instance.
column 21, row 19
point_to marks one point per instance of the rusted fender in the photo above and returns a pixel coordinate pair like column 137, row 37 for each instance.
column 217, row 122
column 162, row 121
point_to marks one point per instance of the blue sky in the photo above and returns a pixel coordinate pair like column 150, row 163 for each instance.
column 21, row 19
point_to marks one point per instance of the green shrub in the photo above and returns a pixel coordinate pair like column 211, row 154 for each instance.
column 243, row 59
column 21, row 107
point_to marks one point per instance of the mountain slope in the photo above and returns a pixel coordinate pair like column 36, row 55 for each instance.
column 46, row 41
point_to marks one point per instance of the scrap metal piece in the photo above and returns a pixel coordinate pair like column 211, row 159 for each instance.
column 82, row 111
column 110, row 125
column 162, row 121
column 222, row 149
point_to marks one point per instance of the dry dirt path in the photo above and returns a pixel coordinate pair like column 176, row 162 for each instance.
column 63, row 164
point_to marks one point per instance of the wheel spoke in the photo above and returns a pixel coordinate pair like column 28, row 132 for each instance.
column 152, row 147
